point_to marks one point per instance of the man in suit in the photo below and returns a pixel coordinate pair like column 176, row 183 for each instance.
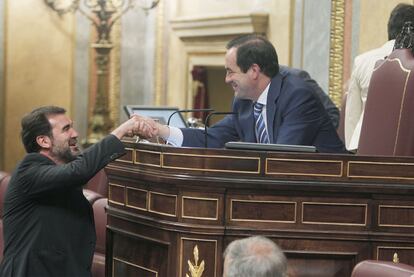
column 329, row 106
column 290, row 113
column 48, row 224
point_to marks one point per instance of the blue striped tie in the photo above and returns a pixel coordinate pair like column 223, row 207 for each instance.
column 261, row 133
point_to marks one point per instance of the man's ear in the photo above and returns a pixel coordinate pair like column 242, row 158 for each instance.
column 44, row 141
column 255, row 71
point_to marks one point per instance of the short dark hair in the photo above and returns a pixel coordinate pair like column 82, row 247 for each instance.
column 35, row 124
column 399, row 15
column 255, row 49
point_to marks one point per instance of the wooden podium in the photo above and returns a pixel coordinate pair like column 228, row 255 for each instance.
column 175, row 208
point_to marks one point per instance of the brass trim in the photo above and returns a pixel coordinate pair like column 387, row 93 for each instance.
column 196, row 270
column 378, row 177
column 393, row 60
column 135, row 207
column 126, row 161
column 392, row 247
column 336, row 51
column 396, row 207
column 110, row 194
column 131, row 264
column 165, row 194
column 212, row 156
column 341, row 163
column 148, row 164
column 262, row 220
column 199, row 198
column 335, row 223
column 193, row 239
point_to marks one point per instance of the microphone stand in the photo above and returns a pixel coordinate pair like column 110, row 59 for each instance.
column 187, row 111
column 206, row 122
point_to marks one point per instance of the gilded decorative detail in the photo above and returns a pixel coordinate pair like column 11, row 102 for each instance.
column 395, row 258
column 115, row 73
column 159, row 57
column 195, row 269
column 336, row 54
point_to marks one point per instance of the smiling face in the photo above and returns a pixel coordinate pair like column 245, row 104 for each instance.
column 242, row 83
column 64, row 139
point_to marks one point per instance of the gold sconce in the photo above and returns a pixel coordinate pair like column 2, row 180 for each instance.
column 103, row 14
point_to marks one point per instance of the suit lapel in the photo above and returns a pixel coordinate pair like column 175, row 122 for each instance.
column 272, row 96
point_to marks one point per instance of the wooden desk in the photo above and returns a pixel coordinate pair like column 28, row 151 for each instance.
column 327, row 212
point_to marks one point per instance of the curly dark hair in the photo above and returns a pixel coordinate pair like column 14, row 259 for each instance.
column 399, row 15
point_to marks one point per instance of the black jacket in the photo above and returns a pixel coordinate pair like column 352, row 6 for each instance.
column 47, row 222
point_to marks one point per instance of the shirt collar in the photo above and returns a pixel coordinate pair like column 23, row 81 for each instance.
column 263, row 96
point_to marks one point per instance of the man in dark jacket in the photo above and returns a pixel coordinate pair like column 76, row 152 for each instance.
column 47, row 222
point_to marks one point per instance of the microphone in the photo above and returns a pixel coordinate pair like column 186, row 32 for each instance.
column 206, row 122
column 187, row 111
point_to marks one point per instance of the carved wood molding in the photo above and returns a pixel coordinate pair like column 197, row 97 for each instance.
column 219, row 26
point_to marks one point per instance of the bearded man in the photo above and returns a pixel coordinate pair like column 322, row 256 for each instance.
column 47, row 222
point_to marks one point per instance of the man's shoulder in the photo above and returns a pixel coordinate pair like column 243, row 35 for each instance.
column 376, row 53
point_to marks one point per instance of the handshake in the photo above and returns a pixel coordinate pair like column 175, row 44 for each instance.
column 142, row 126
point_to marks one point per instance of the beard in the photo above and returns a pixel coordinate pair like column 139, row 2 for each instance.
column 64, row 153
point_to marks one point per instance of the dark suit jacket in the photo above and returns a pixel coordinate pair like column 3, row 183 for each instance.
column 330, row 107
column 295, row 115
column 47, row 222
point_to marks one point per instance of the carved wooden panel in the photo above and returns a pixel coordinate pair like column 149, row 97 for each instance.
column 334, row 213
column 396, row 216
column 148, row 158
column 211, row 163
column 137, row 198
column 136, row 257
column 404, row 253
column 381, row 170
column 116, row 194
column 203, row 208
column 262, row 211
column 199, row 253
column 163, row 203
column 299, row 167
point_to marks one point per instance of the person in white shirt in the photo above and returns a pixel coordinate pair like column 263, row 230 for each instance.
column 361, row 75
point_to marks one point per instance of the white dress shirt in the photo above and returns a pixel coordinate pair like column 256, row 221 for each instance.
column 176, row 136
column 358, row 89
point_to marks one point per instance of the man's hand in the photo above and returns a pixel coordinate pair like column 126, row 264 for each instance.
column 137, row 125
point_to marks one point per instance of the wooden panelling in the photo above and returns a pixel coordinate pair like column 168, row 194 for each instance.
column 137, row 257
column 332, row 264
column 200, row 208
column 148, row 158
column 116, row 194
column 404, row 254
column 396, row 216
column 381, row 170
column 262, row 210
column 163, row 203
column 334, row 213
column 137, row 198
column 212, row 163
column 297, row 167
column 124, row 268
column 128, row 157
column 196, row 252
column 326, row 211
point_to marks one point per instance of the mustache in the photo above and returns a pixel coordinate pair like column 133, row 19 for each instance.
column 73, row 141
